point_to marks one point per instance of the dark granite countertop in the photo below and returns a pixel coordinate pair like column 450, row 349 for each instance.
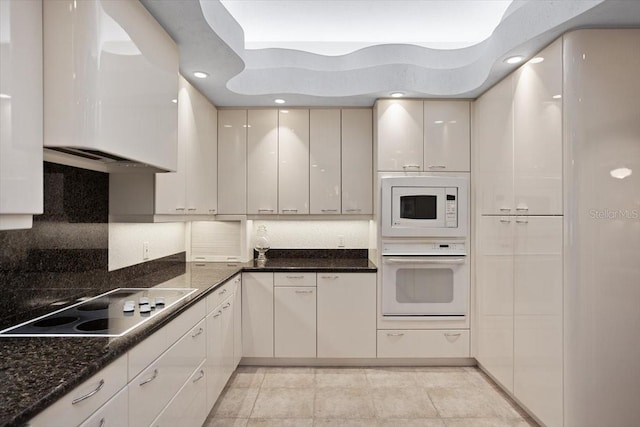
column 35, row 372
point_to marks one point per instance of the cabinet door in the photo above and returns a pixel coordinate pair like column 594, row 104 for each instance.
column 201, row 146
column 324, row 173
column 215, row 354
column 21, row 122
column 293, row 154
column 538, row 316
column 357, row 161
column 494, row 149
column 189, row 406
column 237, row 323
column 262, row 162
column 447, row 136
column 537, row 106
column 346, row 315
column 257, row 314
column 295, row 321
column 227, row 338
column 400, row 135
column 494, row 297
column 232, row 162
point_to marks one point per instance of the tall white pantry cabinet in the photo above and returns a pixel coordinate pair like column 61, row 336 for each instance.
column 556, row 145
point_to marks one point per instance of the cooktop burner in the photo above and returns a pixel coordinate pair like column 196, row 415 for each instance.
column 111, row 314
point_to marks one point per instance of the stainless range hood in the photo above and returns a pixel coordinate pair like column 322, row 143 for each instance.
column 96, row 160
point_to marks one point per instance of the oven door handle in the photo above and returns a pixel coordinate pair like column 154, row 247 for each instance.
column 432, row 260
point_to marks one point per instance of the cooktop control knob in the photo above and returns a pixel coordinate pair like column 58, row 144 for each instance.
column 145, row 308
column 159, row 300
column 128, row 307
column 144, row 300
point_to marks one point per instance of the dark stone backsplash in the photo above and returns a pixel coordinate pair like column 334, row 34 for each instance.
column 65, row 255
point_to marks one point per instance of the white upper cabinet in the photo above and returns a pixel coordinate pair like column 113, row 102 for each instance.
column 537, row 124
column 400, row 135
column 293, row 157
column 357, row 161
column 325, row 159
column 447, row 136
column 494, row 149
column 262, row 161
column 232, row 162
column 110, row 75
column 21, row 191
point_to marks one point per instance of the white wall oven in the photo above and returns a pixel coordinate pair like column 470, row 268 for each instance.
column 424, row 206
column 421, row 278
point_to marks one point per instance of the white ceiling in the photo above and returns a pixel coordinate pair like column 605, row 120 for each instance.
column 210, row 39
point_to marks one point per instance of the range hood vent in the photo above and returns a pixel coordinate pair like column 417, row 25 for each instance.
column 96, row 160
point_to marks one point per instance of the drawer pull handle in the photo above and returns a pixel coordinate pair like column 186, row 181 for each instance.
column 200, row 331
column 328, row 210
column 217, row 314
column 451, row 337
column 399, row 334
column 200, row 265
column 522, row 221
column 410, row 167
column 199, row 377
column 353, row 210
column 222, row 292
column 329, row 277
column 227, row 305
column 148, row 380
column 180, row 209
column 289, row 210
column 88, row 395
column 505, row 220
column 212, row 211
column 265, row 210
column 505, row 209
column 522, row 209
column 437, row 167
column 191, row 209
column 304, row 292
column 295, row 277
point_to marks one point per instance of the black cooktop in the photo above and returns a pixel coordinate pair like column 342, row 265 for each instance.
column 111, row 314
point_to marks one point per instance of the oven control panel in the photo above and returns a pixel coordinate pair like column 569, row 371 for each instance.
column 423, row 248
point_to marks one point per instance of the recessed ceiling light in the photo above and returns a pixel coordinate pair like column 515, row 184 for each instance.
column 200, row 74
column 279, row 101
column 397, row 94
column 4, row 96
column 536, row 60
column 514, row 59
column 557, row 96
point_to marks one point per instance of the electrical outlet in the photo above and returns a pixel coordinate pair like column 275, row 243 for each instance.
column 340, row 241
column 145, row 250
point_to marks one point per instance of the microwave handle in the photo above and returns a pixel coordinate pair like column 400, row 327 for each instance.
column 434, row 260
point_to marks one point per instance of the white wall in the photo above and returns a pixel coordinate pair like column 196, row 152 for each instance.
column 126, row 241
column 314, row 234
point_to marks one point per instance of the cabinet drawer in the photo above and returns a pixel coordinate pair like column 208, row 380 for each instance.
column 113, row 413
column 418, row 343
column 188, row 408
column 88, row 397
column 294, row 279
column 148, row 350
column 215, row 298
column 150, row 391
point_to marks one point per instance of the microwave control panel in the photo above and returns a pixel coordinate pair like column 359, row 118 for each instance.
column 451, row 207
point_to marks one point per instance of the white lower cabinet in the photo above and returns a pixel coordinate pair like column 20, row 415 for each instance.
column 295, row 321
column 423, row 343
column 73, row 408
column 189, row 407
column 257, row 314
column 346, row 315
column 237, row 323
column 113, row 413
column 152, row 389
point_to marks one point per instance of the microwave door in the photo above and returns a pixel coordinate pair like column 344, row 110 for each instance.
column 421, row 207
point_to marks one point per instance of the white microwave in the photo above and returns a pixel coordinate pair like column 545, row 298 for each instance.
column 424, row 206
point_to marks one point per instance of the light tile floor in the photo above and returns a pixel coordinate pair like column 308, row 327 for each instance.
column 364, row 397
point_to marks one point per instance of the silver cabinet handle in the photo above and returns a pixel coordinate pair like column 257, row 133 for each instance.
column 505, row 220
column 200, row 331
column 522, row 221
column 436, row 167
column 179, row 209
column 265, row 210
column 329, row 277
column 304, row 292
column 328, row 210
column 410, row 167
column 424, row 260
column 148, row 380
column 212, row 211
column 200, row 265
column 191, row 209
column 295, row 277
column 227, row 305
column 522, row 209
column 449, row 334
column 289, row 210
column 505, row 209
column 200, row 257
column 88, row 395
column 217, row 314
column 200, row 377
column 222, row 292
column 399, row 334
column 353, row 210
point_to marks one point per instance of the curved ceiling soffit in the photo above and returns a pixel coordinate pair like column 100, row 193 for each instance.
column 419, row 71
